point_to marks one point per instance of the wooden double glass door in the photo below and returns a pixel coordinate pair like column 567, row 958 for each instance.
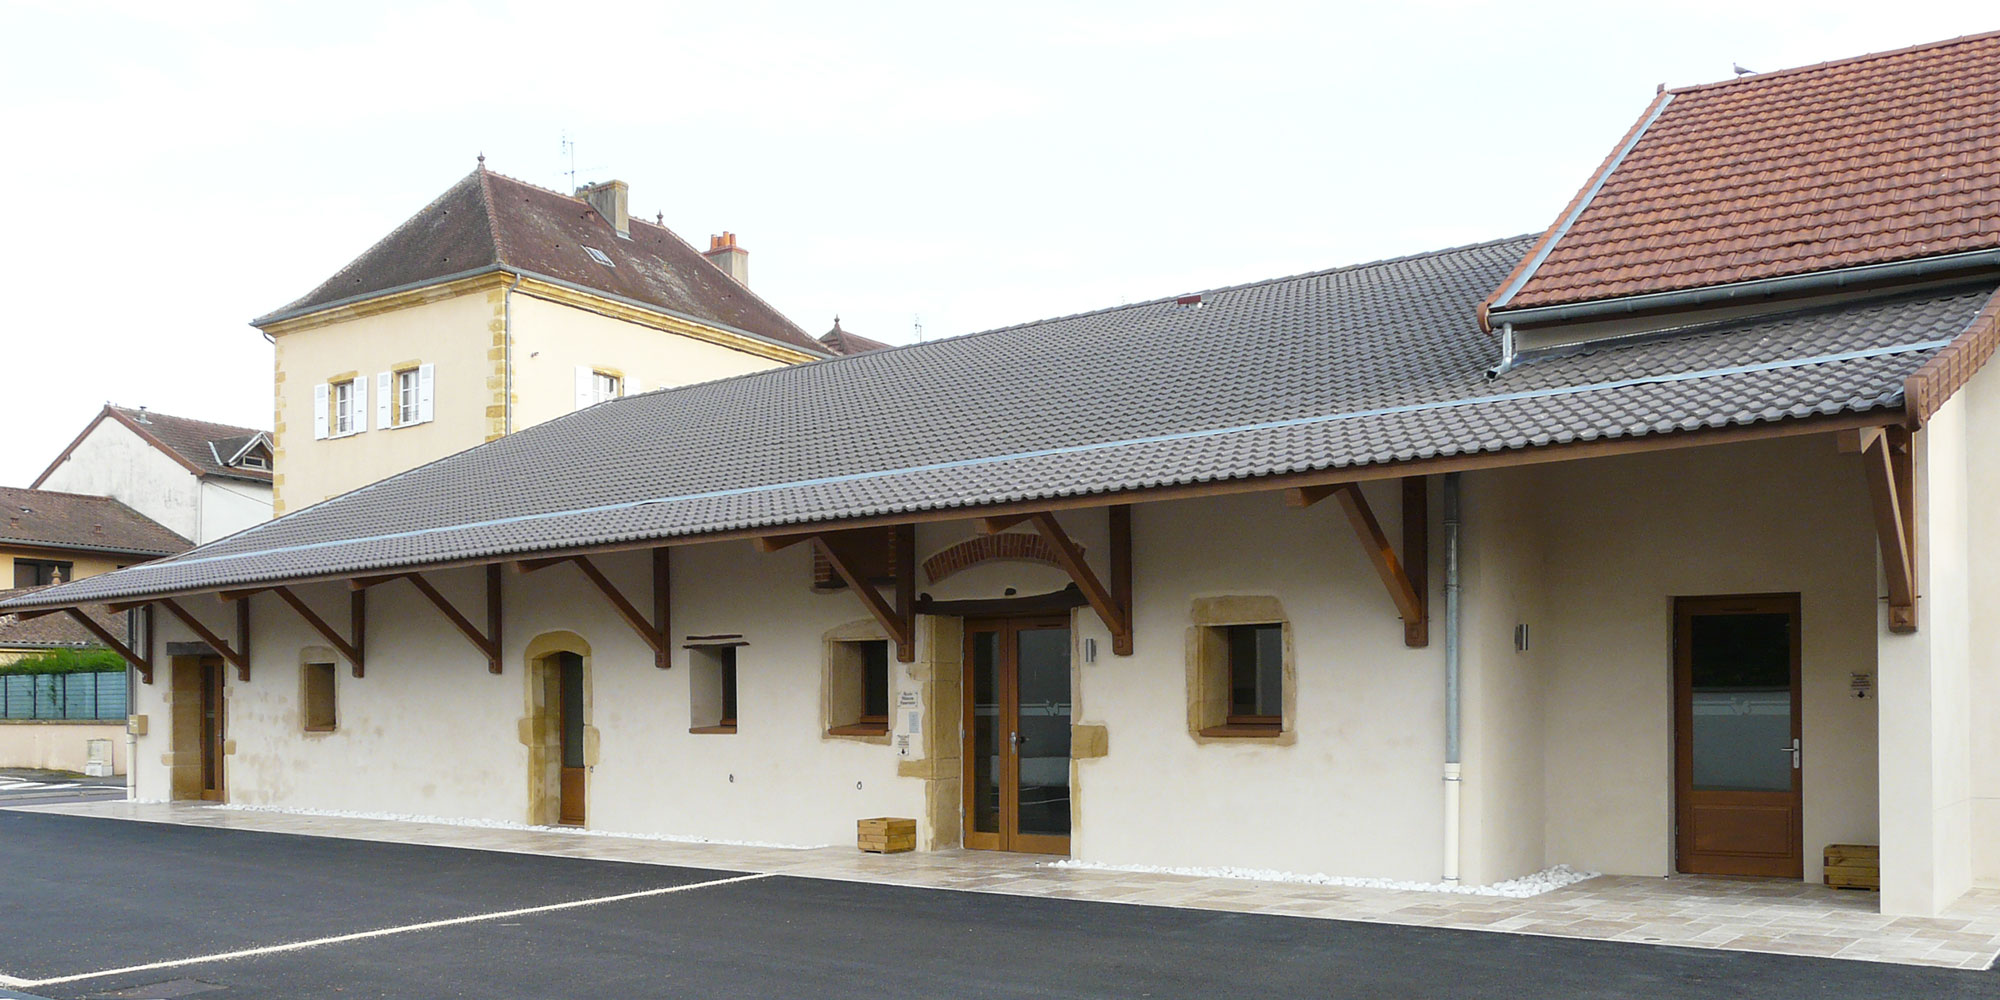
column 1737, row 750
column 1017, row 734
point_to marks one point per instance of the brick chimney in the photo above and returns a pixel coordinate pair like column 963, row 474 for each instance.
column 608, row 198
column 732, row 259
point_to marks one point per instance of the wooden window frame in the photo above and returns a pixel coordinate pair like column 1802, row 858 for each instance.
column 1212, row 679
column 406, row 382
column 865, row 723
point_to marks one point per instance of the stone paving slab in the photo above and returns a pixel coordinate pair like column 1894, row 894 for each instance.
column 1734, row 914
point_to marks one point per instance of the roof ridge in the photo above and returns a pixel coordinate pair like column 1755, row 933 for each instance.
column 150, row 412
column 894, row 348
column 401, row 227
column 1830, row 63
column 492, row 214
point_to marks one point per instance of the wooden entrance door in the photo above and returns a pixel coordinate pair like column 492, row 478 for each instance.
column 213, row 727
column 1017, row 718
column 569, row 722
column 1736, row 727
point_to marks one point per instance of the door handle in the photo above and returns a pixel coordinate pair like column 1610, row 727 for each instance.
column 1793, row 749
column 1016, row 739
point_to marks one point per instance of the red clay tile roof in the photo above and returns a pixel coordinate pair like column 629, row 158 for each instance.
column 488, row 221
column 48, row 519
column 55, row 630
column 1879, row 158
column 840, row 341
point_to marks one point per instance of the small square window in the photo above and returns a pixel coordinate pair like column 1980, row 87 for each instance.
column 1256, row 675
column 318, row 711
column 599, row 256
column 712, row 689
column 857, row 688
column 406, row 397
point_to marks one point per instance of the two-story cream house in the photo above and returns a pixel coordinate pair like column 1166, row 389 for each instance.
column 498, row 306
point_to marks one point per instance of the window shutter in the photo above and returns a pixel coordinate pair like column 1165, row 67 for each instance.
column 625, row 386
column 360, row 405
column 385, row 397
column 423, row 393
column 319, row 411
column 586, row 389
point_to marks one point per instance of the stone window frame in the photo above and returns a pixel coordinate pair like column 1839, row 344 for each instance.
column 836, row 692
column 309, row 658
column 1207, row 654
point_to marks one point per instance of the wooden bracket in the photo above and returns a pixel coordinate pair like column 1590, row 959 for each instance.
column 357, row 621
column 996, row 525
column 139, row 663
column 1114, row 607
column 350, row 649
column 487, row 644
column 655, row 633
column 1886, row 461
column 1405, row 577
column 237, row 657
column 843, row 551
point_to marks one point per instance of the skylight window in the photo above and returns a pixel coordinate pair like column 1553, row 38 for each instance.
column 598, row 256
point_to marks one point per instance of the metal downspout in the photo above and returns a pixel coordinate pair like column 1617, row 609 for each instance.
column 507, row 357
column 131, row 692
column 1452, row 783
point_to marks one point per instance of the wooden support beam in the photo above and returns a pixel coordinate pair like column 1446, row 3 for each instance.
column 1121, row 573
column 996, row 525
column 493, row 605
column 26, row 616
column 1406, row 577
column 120, row 607
column 139, row 663
column 229, row 596
column 1417, row 558
column 357, row 623
column 365, row 582
column 243, row 637
column 1381, row 554
column 773, row 543
column 663, row 605
column 1886, row 462
column 904, row 543
column 1117, row 618
column 488, row 645
column 319, row 625
column 234, row 656
column 531, row 565
column 840, row 551
column 653, row 635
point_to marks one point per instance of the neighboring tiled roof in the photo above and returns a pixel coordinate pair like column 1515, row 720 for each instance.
column 47, row 519
column 200, row 446
column 488, row 221
column 840, row 341
column 55, row 630
column 1350, row 367
column 1871, row 160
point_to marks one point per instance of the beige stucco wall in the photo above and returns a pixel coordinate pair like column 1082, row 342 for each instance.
column 57, row 746
column 463, row 336
column 1982, row 415
column 454, row 334
column 113, row 461
column 1627, row 535
column 551, row 339
column 1567, row 746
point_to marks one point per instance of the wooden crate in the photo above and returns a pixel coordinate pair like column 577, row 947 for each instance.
column 886, row 835
column 1853, row 866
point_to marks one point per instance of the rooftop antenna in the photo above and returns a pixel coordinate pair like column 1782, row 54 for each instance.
column 569, row 153
column 916, row 323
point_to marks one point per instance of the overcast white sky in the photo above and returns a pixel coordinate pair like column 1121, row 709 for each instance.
column 172, row 170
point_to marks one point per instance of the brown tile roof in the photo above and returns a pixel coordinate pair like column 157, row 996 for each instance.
column 48, row 519
column 202, row 447
column 489, row 221
column 1875, row 159
column 55, row 630
column 840, row 341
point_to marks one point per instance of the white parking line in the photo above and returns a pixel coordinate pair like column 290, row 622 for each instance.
column 379, row 932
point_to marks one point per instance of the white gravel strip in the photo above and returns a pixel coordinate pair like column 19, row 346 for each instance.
column 494, row 824
column 1546, row 880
